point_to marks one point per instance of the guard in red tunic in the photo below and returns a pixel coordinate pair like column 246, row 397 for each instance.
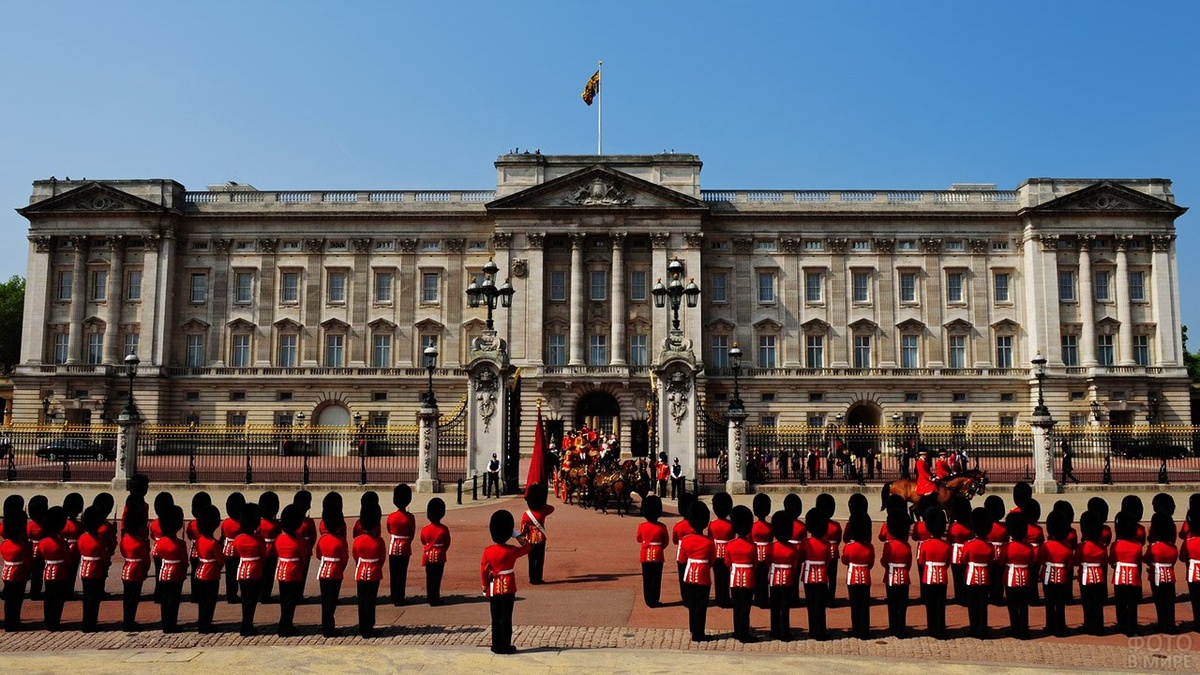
column 163, row 501
column 1186, row 530
column 741, row 558
column 171, row 554
column 761, row 537
column 91, row 567
column 933, row 565
column 289, row 572
column 250, row 550
column 371, row 498
column 200, row 502
column 35, row 530
column 699, row 552
column 1189, row 554
column 308, row 527
column 55, row 555
column 331, row 555
column 1160, row 565
column 653, row 537
column 210, row 559
column 401, row 527
column 1070, row 540
column 268, row 530
column 958, row 534
column 496, row 572
column 816, row 556
column 680, row 530
column 721, row 531
column 795, row 508
column 826, row 503
column 369, row 551
column 1132, row 504
column 859, row 557
column 1099, row 506
column 135, row 551
column 108, row 530
column 332, row 503
column 229, row 532
column 977, row 554
column 16, row 555
column 1035, row 536
column 1017, row 561
column 997, row 537
column 533, row 529
column 782, row 570
column 896, row 561
column 1091, row 556
column 435, row 537
column 1055, row 558
column 1126, row 557
column 73, row 505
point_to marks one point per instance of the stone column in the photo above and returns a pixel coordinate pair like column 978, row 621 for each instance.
column 532, row 347
column 218, row 299
column 1087, row 306
column 619, row 313
column 127, row 434
column 78, row 300
column 359, row 350
column 839, row 345
column 427, row 452
column 115, row 299
column 487, row 405
column 1163, row 286
column 737, row 482
column 267, row 301
column 933, row 303
column 577, row 301
column 1043, row 454
column 675, row 371
column 407, row 298
column 1124, row 310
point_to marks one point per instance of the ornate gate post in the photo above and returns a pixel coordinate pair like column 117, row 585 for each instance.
column 1043, row 454
column 487, row 404
column 737, row 484
column 675, row 369
column 427, row 449
column 127, row 435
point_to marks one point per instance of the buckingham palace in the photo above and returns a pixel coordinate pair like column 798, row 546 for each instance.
column 251, row 307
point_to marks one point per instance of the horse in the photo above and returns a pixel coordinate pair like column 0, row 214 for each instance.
column 959, row 486
column 621, row 485
column 576, row 480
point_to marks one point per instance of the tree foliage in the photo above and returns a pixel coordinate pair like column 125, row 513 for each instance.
column 1192, row 361
column 12, row 314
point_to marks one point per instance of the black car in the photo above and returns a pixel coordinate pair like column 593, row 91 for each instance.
column 1152, row 449
column 77, row 448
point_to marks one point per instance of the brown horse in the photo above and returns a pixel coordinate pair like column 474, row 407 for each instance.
column 960, row 486
column 621, row 485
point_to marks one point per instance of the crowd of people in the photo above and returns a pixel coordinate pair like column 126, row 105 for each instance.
column 753, row 557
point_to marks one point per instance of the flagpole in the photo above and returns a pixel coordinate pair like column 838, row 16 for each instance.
column 600, row 110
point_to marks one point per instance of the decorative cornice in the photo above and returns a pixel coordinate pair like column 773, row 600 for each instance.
column 660, row 240
column 361, row 245
column 536, row 239
column 1161, row 243
column 932, row 245
column 407, row 245
column 268, row 245
column 501, row 240
column 836, row 245
column 314, row 245
column 885, row 245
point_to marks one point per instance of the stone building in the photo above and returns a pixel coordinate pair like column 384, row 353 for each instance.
column 249, row 307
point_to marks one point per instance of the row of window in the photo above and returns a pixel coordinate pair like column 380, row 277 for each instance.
column 1101, row 286
column 94, row 349
column 1105, row 350
column 859, row 245
column 287, row 350
column 97, row 285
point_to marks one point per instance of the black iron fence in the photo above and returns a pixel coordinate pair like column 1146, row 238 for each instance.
column 30, row 452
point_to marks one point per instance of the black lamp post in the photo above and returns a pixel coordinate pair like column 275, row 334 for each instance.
column 362, row 448
column 131, row 366
column 735, row 362
column 675, row 290
column 431, row 354
column 46, row 410
column 303, row 447
column 488, row 293
column 1039, row 371
column 1152, row 408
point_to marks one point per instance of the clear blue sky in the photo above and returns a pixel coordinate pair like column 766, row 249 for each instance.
column 325, row 95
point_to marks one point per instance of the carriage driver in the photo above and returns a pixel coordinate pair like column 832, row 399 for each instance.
column 943, row 468
column 925, row 484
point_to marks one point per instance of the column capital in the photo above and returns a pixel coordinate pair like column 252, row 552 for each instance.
column 660, row 240
column 693, row 239
column 1122, row 241
column 502, row 240
column 536, row 239
column 1084, row 242
column 618, row 239
column 577, row 239
column 1049, row 241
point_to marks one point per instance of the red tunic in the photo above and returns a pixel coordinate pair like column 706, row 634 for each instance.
column 1036, row 536
column 211, row 558
column 653, row 537
column 721, row 531
column 896, row 561
column 997, row 537
column 496, row 568
column 740, row 557
column 293, row 556
column 533, row 524
column 331, row 552
column 799, row 533
column 833, row 535
column 341, row 530
column 817, row 556
column 1016, row 557
column 1055, row 557
column 57, row 554
column 369, row 553
column 269, row 530
column 435, row 537
column 783, row 559
column 70, row 534
column 308, row 531
column 761, row 537
column 1092, row 560
column 229, row 532
column 34, row 534
column 401, row 527
column 1189, row 553
column 136, row 553
column 358, row 529
column 1106, row 536
column 942, row 469
column 925, row 484
column 108, row 535
column 1160, row 561
column 250, row 551
column 1126, row 557
column 172, row 558
column 933, row 557
column 91, row 557
column 17, row 556
column 859, row 558
column 192, row 531
column 699, row 552
column 682, row 529
column 977, row 555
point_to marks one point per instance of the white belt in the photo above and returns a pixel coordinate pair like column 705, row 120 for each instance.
column 128, row 560
column 289, row 560
column 748, row 566
column 172, row 562
column 330, row 560
column 502, row 573
column 972, row 566
column 437, row 545
column 249, row 559
column 862, row 565
column 399, row 536
column 1125, row 565
column 268, row 541
column 368, row 560
column 10, row 563
column 687, row 570
column 1083, row 572
column 1160, row 570
column 1012, row 571
column 779, row 566
column 1046, row 571
column 721, row 541
column 810, row 564
column 55, row 562
column 90, row 558
column 207, row 560
column 654, row 543
column 894, row 567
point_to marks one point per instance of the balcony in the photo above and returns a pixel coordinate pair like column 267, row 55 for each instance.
column 907, row 373
column 315, row 371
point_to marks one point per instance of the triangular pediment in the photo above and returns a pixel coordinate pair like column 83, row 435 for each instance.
column 240, row 326
column 429, row 326
column 721, row 326
column 193, row 325
column 911, row 326
column 1107, row 326
column 768, row 325
column 958, row 326
column 335, row 325
column 1006, row 325
column 382, row 326
column 597, row 187
column 815, row 327
column 287, row 325
column 1107, row 197
column 864, row 326
column 93, row 197
column 474, row 325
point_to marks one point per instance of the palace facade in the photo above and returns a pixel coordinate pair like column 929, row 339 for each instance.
column 861, row 306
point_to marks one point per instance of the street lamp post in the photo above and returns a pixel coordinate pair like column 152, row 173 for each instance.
column 675, row 291
column 735, row 362
column 1039, row 371
column 431, row 354
column 488, row 293
column 303, row 448
column 361, row 439
column 131, row 366
column 46, row 411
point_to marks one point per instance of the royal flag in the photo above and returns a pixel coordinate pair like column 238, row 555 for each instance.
column 591, row 89
column 537, row 463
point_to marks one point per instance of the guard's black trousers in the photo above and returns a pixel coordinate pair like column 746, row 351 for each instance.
column 397, row 577
column 54, row 595
column 170, row 592
column 977, row 610
column 251, row 591
column 720, row 573
column 1194, row 592
column 1018, row 610
column 816, row 600
column 368, row 595
column 897, row 607
column 781, row 612
column 330, row 589
column 742, row 599
column 537, row 562
column 761, row 589
column 1093, row 597
column 1164, row 606
column 934, row 598
column 205, row 594
column 652, row 583
column 231, row 580
column 1056, row 608
column 502, row 622
column 290, row 595
column 131, row 597
column 433, row 582
column 1127, row 599
column 860, row 610
column 695, row 598
column 93, row 593
column 14, row 597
